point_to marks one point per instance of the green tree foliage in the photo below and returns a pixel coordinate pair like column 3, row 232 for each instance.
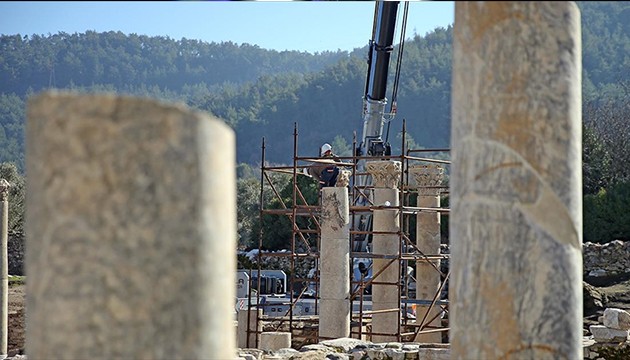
column 596, row 162
column 265, row 94
column 277, row 228
column 607, row 214
column 10, row 173
column 247, row 211
column 605, row 44
column 63, row 59
column 12, row 130
column 608, row 122
column 341, row 147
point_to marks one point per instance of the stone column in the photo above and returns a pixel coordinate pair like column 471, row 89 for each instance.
column 334, row 311
column 516, row 202
column 386, row 176
column 131, row 230
column 249, row 319
column 428, row 242
column 4, row 266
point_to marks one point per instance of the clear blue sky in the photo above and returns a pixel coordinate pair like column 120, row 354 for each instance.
column 303, row 25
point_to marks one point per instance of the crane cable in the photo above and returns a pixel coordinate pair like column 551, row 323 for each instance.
column 401, row 47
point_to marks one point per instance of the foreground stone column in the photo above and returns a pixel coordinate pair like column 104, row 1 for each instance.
column 131, row 230
column 428, row 241
column 516, row 204
column 386, row 176
column 4, row 266
column 334, row 311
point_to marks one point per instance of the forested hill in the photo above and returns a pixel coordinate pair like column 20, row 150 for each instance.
column 264, row 93
column 127, row 61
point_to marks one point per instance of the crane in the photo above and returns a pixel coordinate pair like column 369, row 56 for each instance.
column 372, row 143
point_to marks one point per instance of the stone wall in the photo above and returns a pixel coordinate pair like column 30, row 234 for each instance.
column 612, row 258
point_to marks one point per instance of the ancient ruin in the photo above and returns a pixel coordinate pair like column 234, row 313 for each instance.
column 131, row 236
column 516, row 220
column 123, row 202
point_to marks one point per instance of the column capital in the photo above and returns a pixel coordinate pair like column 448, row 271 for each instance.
column 386, row 173
column 426, row 176
column 4, row 189
column 343, row 179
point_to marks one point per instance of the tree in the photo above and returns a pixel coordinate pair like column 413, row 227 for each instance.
column 247, row 210
column 607, row 214
column 596, row 162
column 340, row 146
column 609, row 120
column 9, row 172
column 277, row 228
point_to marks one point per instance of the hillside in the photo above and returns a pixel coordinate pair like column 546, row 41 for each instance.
column 264, row 93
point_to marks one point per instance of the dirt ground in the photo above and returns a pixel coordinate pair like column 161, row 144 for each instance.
column 16, row 319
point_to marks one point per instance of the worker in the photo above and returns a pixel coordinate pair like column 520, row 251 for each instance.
column 325, row 173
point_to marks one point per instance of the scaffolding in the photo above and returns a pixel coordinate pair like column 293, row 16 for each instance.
column 305, row 242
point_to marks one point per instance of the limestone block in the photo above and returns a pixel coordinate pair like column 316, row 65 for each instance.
column 604, row 334
column 131, row 231
column 276, row 340
column 334, row 318
column 344, row 344
column 255, row 327
column 334, row 285
column 433, row 337
column 385, row 324
column 515, row 186
column 616, row 319
column 434, row 354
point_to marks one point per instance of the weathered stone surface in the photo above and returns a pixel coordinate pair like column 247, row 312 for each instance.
column 131, row 233
column 616, row 319
column 603, row 334
column 385, row 173
column 516, row 202
column 345, row 344
column 275, row 340
column 250, row 354
column 428, row 242
column 249, row 338
column 334, row 320
column 611, row 258
column 592, row 299
column 385, row 295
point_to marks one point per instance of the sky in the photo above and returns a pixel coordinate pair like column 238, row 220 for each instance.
column 312, row 26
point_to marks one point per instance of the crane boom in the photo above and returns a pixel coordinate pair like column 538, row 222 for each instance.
column 374, row 102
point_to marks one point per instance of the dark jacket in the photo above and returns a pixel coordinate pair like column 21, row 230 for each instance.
column 325, row 174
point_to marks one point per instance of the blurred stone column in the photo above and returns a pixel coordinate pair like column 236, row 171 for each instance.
column 386, row 176
column 516, row 201
column 334, row 311
column 131, row 230
column 428, row 238
column 4, row 266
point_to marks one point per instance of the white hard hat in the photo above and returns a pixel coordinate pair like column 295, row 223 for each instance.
column 325, row 147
